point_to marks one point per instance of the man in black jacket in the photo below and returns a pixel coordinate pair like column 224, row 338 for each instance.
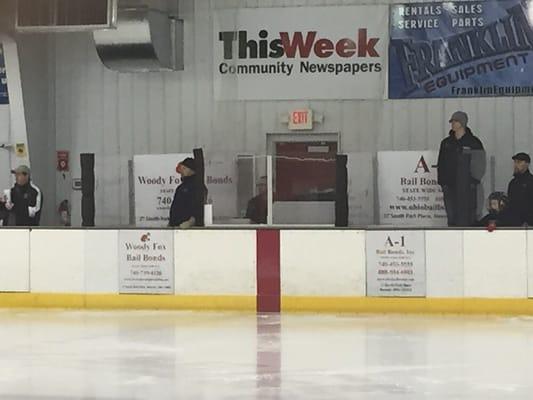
column 460, row 139
column 520, row 191
column 25, row 200
column 185, row 211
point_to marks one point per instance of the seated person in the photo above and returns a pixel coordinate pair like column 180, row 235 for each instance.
column 257, row 207
column 498, row 208
column 4, row 214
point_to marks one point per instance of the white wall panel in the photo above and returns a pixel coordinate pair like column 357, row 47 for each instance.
column 119, row 115
column 313, row 263
column 14, row 260
column 215, row 262
column 444, row 264
column 323, row 263
column 495, row 264
column 530, row 263
column 57, row 260
column 101, row 264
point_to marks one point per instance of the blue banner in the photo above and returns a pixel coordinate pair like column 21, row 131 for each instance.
column 4, row 98
column 461, row 49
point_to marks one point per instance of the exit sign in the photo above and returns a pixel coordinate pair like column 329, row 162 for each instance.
column 300, row 120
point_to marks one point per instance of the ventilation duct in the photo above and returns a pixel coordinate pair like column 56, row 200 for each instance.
column 144, row 40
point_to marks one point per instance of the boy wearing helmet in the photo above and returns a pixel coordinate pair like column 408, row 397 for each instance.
column 498, row 208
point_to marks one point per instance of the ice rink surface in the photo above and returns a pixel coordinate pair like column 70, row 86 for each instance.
column 183, row 355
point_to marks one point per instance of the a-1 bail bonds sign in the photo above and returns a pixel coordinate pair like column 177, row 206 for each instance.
column 396, row 264
column 303, row 53
column 146, row 262
column 409, row 194
column 4, row 97
column 461, row 49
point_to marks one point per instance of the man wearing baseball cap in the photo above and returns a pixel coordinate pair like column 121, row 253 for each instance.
column 460, row 138
column 185, row 209
column 520, row 191
column 25, row 199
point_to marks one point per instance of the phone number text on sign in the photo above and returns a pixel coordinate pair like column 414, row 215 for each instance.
column 396, row 264
column 146, row 262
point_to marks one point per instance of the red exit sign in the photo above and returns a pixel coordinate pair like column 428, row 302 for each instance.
column 301, row 120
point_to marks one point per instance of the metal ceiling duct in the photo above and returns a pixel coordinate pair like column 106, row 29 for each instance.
column 144, row 40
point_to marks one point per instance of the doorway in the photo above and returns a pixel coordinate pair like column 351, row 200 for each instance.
column 304, row 177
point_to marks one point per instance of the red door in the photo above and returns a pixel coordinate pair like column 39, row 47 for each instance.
column 305, row 171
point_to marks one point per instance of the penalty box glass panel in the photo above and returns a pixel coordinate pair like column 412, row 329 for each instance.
column 64, row 15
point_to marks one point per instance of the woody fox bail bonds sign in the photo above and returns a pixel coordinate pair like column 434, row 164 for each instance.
column 156, row 180
column 301, row 53
column 146, row 262
column 409, row 193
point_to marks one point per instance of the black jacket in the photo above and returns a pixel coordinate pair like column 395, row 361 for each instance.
column 520, row 194
column 27, row 201
column 185, row 204
column 503, row 218
column 450, row 148
column 257, row 209
column 4, row 214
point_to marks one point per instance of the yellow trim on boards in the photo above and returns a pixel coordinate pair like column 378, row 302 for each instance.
column 127, row 302
column 366, row 305
column 389, row 305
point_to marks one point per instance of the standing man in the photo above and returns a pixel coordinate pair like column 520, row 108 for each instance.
column 185, row 210
column 520, row 191
column 460, row 139
column 25, row 200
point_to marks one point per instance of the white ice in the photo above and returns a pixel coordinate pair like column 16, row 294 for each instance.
column 56, row 355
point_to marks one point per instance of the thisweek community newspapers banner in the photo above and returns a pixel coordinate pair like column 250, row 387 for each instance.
column 301, row 53
column 461, row 49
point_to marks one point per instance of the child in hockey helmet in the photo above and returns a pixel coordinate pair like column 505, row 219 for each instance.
column 498, row 208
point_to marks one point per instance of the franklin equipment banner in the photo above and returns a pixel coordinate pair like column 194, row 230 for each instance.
column 301, row 53
column 461, row 49
column 4, row 98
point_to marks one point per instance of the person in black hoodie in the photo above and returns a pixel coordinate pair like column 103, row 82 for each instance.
column 185, row 211
column 460, row 138
column 520, row 191
column 25, row 199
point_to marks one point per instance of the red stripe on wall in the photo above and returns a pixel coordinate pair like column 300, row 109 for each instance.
column 268, row 271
